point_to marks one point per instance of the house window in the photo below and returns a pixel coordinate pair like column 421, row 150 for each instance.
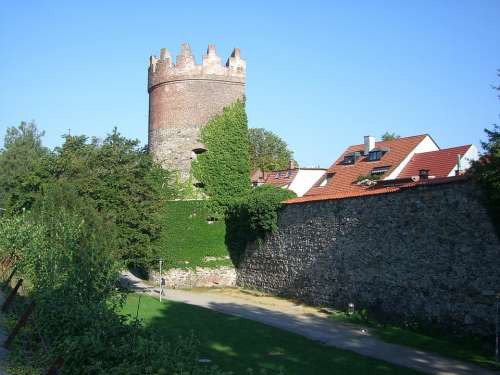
column 423, row 174
column 352, row 157
column 379, row 171
column 375, row 155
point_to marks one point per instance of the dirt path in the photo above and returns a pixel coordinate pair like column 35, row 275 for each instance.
column 310, row 323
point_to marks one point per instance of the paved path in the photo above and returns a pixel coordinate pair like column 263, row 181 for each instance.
column 311, row 323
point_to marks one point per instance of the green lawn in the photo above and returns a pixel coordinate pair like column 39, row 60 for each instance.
column 187, row 236
column 465, row 349
column 237, row 344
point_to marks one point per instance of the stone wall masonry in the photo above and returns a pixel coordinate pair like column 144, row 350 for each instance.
column 428, row 254
column 201, row 277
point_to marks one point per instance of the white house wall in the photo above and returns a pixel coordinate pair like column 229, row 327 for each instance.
column 304, row 180
column 426, row 145
column 466, row 160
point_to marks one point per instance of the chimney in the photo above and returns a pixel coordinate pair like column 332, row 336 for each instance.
column 458, row 172
column 292, row 164
column 369, row 143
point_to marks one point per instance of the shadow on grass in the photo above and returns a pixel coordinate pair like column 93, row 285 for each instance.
column 236, row 344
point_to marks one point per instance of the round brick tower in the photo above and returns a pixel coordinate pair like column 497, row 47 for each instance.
column 183, row 97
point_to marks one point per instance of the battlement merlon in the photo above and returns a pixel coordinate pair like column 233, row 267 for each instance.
column 163, row 70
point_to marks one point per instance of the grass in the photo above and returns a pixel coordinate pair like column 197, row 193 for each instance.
column 237, row 344
column 187, row 237
column 467, row 349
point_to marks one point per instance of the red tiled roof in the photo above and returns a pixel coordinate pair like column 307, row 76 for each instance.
column 258, row 176
column 376, row 190
column 345, row 176
column 281, row 178
column 277, row 178
column 439, row 163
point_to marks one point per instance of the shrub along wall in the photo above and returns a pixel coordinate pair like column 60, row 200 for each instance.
column 189, row 239
column 428, row 255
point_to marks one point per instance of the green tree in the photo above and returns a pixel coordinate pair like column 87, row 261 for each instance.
column 486, row 171
column 224, row 170
column 21, row 167
column 268, row 151
column 390, row 136
column 122, row 181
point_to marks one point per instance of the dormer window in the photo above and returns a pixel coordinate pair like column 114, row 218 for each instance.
column 352, row 157
column 423, row 174
column 375, row 155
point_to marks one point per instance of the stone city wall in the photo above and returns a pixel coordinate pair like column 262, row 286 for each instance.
column 428, row 254
column 201, row 277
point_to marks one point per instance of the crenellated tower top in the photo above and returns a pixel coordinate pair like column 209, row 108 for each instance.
column 163, row 70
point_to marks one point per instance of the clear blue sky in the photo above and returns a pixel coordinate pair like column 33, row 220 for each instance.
column 321, row 74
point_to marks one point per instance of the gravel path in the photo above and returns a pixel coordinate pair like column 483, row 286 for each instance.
column 310, row 323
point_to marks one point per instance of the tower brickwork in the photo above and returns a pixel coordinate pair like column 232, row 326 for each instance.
column 183, row 97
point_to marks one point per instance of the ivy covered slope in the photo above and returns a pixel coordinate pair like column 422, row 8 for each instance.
column 189, row 240
column 224, row 170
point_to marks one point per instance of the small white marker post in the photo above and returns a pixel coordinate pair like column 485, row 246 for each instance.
column 161, row 280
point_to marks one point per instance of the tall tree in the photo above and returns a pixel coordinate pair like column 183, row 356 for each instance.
column 487, row 171
column 390, row 136
column 21, row 167
column 268, row 151
column 124, row 182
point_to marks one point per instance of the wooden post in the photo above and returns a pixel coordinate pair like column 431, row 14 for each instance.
column 20, row 324
column 5, row 265
column 9, row 278
column 11, row 296
column 56, row 366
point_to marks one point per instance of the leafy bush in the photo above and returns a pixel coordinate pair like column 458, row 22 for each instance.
column 224, row 169
column 486, row 171
column 253, row 216
column 63, row 250
column 187, row 236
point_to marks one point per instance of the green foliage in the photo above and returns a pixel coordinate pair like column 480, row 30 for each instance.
column 268, row 152
column 486, row 171
column 188, row 237
column 117, row 176
column 224, row 169
column 414, row 335
column 21, row 167
column 63, row 251
column 253, row 216
column 368, row 177
column 390, row 136
column 123, row 181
